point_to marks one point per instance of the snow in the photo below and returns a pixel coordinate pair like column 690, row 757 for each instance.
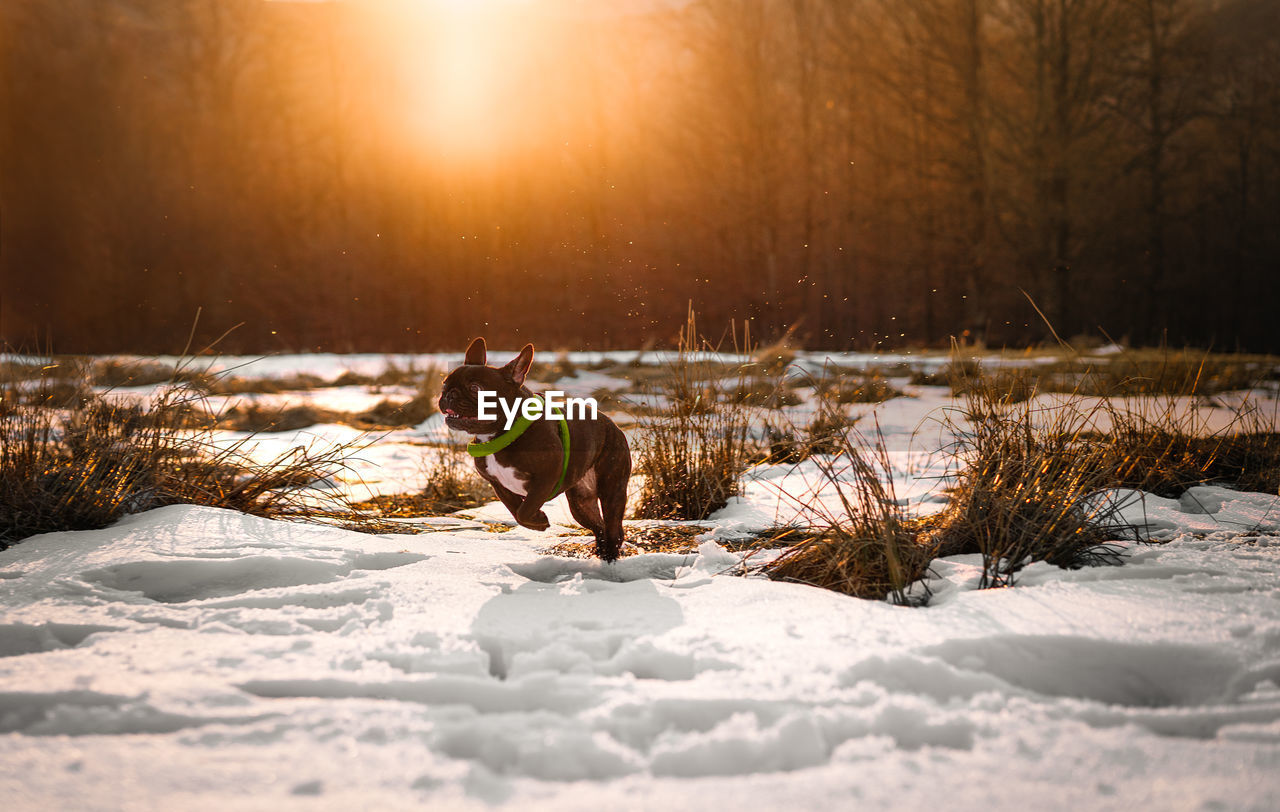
column 197, row 658
column 201, row 658
column 353, row 399
column 1202, row 509
column 329, row 366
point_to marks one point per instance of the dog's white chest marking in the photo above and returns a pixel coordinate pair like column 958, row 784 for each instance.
column 509, row 477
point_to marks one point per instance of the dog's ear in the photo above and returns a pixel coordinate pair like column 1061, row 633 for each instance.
column 519, row 366
column 476, row 353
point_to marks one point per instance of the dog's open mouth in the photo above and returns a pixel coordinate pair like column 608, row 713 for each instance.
column 455, row 419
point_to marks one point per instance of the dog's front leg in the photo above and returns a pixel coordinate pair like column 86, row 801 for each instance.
column 530, row 514
column 533, row 519
column 511, row 499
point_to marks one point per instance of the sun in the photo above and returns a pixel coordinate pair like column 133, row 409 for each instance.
column 457, row 71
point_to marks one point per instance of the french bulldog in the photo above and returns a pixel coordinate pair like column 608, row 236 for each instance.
column 525, row 473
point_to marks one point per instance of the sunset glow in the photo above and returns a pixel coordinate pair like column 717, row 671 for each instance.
column 451, row 60
column 475, row 81
column 880, row 173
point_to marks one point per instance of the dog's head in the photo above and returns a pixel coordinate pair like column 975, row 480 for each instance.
column 459, row 392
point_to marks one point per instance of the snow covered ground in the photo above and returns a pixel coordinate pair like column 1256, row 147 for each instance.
column 329, row 366
column 193, row 658
column 199, row 659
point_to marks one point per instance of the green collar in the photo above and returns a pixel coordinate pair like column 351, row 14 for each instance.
column 478, row 449
column 512, row 434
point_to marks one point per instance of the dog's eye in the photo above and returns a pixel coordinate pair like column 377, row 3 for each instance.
column 475, row 387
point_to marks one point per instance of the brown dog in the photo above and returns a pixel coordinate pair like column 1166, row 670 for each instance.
column 530, row 467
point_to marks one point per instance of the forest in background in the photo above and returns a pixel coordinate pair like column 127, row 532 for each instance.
column 384, row 175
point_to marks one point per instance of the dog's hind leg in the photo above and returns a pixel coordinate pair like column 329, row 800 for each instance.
column 585, row 506
column 613, row 501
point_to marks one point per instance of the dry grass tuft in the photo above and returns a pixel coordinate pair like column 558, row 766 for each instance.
column 82, row 462
column 865, row 547
column 680, row 539
column 869, row 388
column 676, row 538
column 255, row 418
column 823, row 435
column 392, row 374
column 1008, row 385
column 1132, row 373
column 776, row 357
column 1029, row 478
column 1027, row 487
column 452, row 485
column 607, row 399
column 692, row 455
column 769, row 394
column 221, row 384
column 399, row 414
column 44, row 392
column 692, row 464
column 118, row 372
column 550, row 372
column 1166, row 446
column 1158, row 372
